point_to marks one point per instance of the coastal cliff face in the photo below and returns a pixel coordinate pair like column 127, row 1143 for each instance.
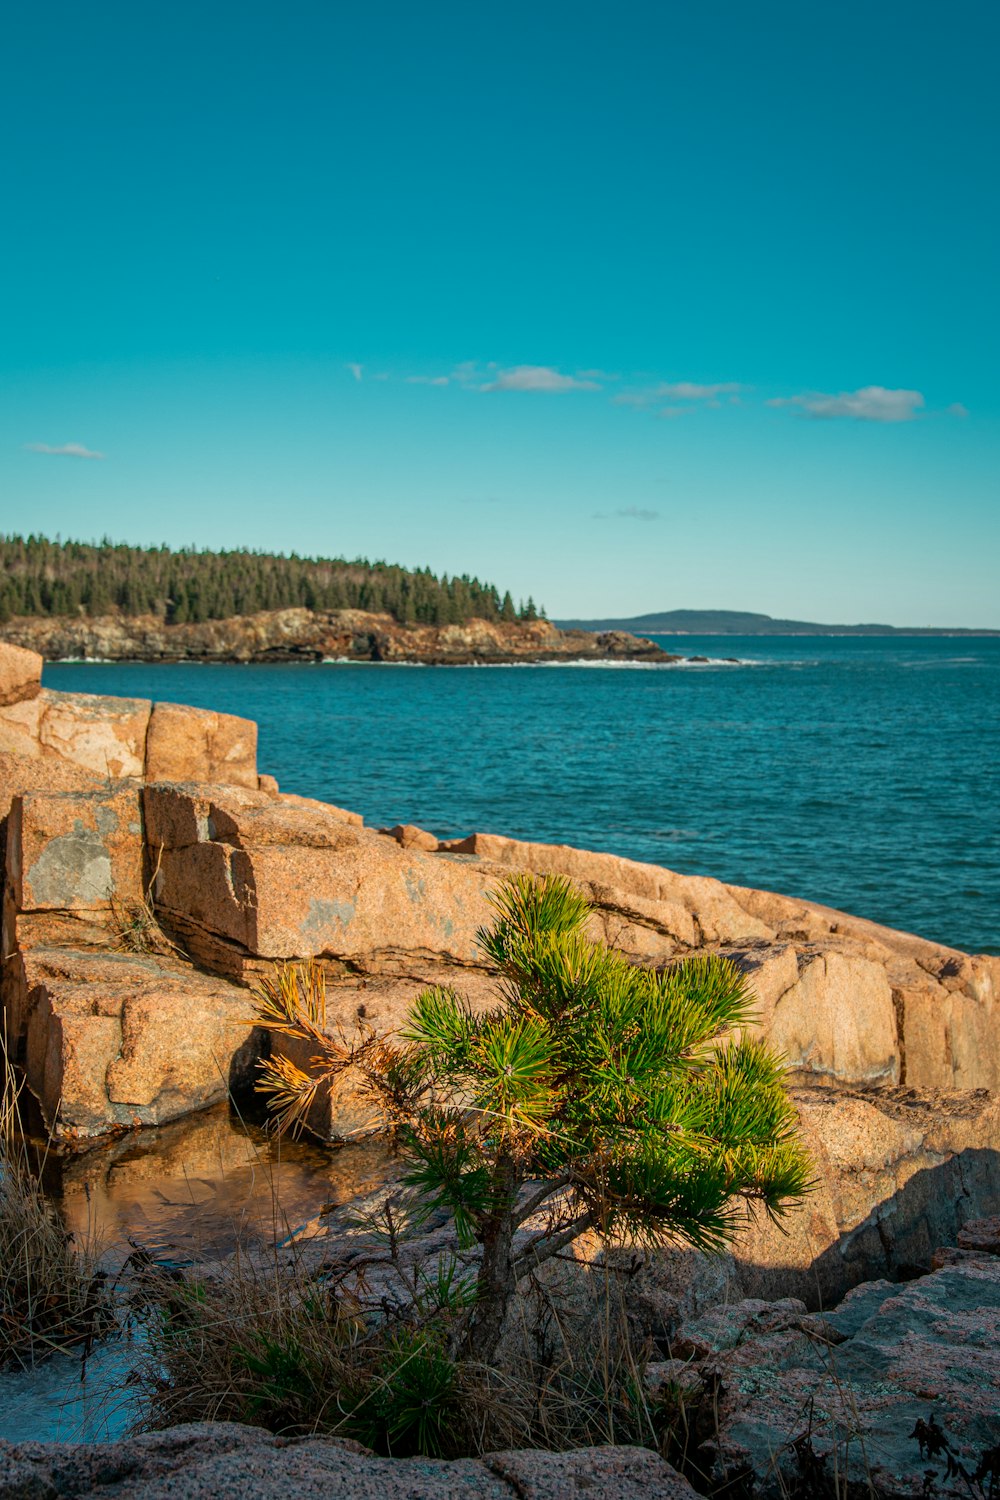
column 123, row 1016
column 316, row 635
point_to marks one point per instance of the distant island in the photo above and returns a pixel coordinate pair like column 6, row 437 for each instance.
column 112, row 602
column 42, row 579
column 740, row 622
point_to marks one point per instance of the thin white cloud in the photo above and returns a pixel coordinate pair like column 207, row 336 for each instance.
column 538, row 378
column 627, row 513
column 356, row 370
column 427, row 379
column 682, row 390
column 688, row 390
column 957, row 409
column 63, row 450
column 872, row 403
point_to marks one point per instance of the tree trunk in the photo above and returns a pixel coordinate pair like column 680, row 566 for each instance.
column 496, row 1283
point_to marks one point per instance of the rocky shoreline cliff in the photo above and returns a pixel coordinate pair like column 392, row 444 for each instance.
column 151, row 874
column 287, row 635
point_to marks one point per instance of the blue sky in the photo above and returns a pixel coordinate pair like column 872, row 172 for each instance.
column 627, row 307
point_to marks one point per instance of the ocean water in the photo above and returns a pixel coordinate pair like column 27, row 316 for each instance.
column 859, row 772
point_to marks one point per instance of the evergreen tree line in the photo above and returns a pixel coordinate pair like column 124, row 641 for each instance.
column 42, row 577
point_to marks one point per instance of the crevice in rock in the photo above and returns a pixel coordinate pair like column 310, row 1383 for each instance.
column 899, row 1009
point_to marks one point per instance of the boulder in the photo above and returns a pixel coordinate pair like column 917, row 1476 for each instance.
column 873, row 1397
column 246, row 878
column 691, row 909
column 408, row 836
column 20, row 725
column 207, row 1460
column 106, row 735
column 846, row 999
column 75, row 851
column 113, row 1040
column 196, row 744
column 981, row 1235
column 20, row 674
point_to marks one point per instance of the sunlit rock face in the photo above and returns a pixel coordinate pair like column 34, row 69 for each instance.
column 138, row 910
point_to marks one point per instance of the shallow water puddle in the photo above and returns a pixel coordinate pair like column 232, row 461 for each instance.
column 199, row 1187
column 191, row 1191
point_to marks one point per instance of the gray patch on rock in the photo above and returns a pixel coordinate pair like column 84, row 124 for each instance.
column 73, row 869
column 322, row 913
column 106, row 819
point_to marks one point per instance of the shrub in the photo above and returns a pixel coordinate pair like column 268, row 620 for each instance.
column 596, row 1095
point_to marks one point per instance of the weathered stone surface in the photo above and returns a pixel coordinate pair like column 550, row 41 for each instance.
column 106, row 735
column 838, row 1019
column 268, row 784
column 844, row 1393
column 19, row 727
column 20, row 774
column 897, row 1174
column 196, row 744
column 408, row 836
column 981, row 1235
column 114, row 1040
column 278, row 880
column 219, row 1460
column 20, row 674
column 75, row 851
column 693, row 909
column 292, row 799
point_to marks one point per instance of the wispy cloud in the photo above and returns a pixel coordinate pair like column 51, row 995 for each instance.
column 626, row 513
column 872, row 403
column 356, row 370
column 538, row 378
column 682, row 390
column 63, row 450
column 956, row 409
column 427, row 380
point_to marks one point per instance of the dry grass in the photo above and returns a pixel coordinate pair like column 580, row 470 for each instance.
column 135, row 925
column 366, row 1352
column 52, row 1296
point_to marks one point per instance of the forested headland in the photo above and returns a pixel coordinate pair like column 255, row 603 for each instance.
column 43, row 578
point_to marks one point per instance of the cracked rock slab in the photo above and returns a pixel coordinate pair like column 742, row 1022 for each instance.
column 223, row 1461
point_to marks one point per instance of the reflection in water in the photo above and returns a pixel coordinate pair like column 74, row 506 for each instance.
column 199, row 1187
column 193, row 1190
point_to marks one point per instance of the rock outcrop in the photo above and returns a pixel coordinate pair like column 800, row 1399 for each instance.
column 317, row 635
column 873, row 1397
column 212, row 1460
column 114, row 737
column 137, row 910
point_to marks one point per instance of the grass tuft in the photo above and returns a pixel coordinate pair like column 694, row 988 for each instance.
column 53, row 1297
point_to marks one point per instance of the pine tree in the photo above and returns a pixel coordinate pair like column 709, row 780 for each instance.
column 596, row 1095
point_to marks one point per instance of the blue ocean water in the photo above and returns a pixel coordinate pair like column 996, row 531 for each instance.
column 860, row 772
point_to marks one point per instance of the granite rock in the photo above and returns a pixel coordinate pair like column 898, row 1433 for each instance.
column 20, row 674
column 218, row 1460
column 197, row 744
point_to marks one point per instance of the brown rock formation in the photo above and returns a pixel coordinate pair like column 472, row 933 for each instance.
column 113, row 737
column 893, row 1040
column 310, row 635
column 193, row 744
column 20, row 675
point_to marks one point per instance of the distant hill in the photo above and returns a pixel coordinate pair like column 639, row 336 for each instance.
column 739, row 622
